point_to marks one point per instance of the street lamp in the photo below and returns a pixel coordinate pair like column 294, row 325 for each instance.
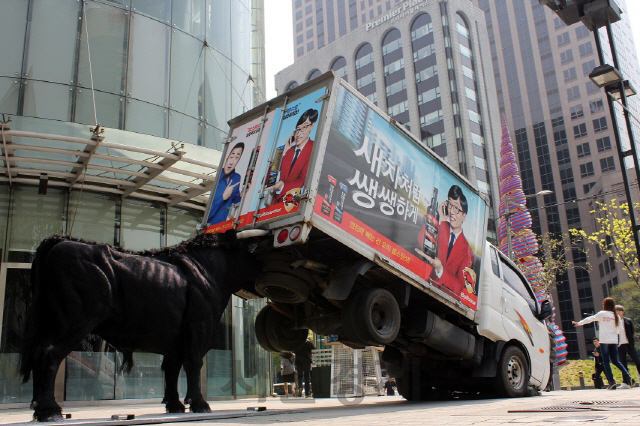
column 612, row 80
column 507, row 215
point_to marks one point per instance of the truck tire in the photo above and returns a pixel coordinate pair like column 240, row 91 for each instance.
column 261, row 329
column 371, row 317
column 512, row 379
column 283, row 288
column 275, row 332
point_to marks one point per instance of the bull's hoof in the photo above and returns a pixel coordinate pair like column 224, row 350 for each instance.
column 200, row 407
column 174, row 407
column 48, row 415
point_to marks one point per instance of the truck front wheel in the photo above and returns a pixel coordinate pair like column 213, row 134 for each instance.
column 513, row 373
column 371, row 317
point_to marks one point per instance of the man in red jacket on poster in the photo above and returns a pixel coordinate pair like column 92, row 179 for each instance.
column 296, row 157
column 454, row 252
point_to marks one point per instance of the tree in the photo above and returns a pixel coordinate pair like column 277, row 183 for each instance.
column 614, row 236
column 553, row 262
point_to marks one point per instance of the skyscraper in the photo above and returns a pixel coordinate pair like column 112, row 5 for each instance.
column 563, row 134
column 424, row 63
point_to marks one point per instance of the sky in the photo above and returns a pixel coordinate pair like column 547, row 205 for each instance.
column 279, row 36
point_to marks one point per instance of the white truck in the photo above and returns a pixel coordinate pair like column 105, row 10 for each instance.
column 366, row 234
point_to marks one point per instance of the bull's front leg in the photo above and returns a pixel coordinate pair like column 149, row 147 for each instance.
column 171, row 399
column 192, row 366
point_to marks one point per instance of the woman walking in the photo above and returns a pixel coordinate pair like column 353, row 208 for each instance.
column 610, row 326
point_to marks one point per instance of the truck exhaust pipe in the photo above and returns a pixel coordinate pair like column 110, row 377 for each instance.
column 428, row 328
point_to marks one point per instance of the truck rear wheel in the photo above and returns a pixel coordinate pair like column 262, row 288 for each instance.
column 513, row 373
column 371, row 317
column 281, row 287
column 275, row 332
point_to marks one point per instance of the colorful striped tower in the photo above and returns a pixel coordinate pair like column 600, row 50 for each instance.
column 524, row 243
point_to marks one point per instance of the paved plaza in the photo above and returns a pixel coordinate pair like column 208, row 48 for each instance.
column 620, row 407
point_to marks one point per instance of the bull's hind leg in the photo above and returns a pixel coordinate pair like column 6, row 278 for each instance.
column 192, row 366
column 171, row 399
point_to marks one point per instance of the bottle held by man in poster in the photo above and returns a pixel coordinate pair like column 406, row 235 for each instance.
column 338, row 212
column 432, row 220
column 328, row 197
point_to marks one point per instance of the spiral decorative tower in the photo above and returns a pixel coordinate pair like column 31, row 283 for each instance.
column 524, row 244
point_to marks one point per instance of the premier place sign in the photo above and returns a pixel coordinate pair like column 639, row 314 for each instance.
column 407, row 8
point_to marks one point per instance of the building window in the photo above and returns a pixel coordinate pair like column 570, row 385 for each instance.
column 573, row 93
column 559, row 23
column 586, row 170
column 587, row 67
column 583, row 150
column 577, row 112
column 566, row 176
column 582, row 32
column 299, row 27
column 569, row 194
column 299, row 14
column 587, row 187
column 603, row 144
column 591, row 87
column 566, row 57
column 570, row 74
column 563, row 156
column 340, row 67
column 580, row 130
column 596, row 106
column 585, row 49
column 563, row 39
column 600, row 124
column 607, row 164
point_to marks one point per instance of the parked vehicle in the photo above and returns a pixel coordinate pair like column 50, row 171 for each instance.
column 353, row 217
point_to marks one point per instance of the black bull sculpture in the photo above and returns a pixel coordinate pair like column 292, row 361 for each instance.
column 166, row 301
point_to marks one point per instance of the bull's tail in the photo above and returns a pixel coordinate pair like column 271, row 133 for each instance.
column 28, row 352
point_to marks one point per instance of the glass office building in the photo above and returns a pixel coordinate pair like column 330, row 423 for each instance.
column 161, row 78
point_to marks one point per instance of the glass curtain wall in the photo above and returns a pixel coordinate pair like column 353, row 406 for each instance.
column 394, row 77
column 340, row 67
column 473, row 103
column 455, row 102
column 365, row 72
column 428, row 84
column 168, row 68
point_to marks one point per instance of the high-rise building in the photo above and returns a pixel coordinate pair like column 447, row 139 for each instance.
column 162, row 78
column 425, row 63
column 563, row 134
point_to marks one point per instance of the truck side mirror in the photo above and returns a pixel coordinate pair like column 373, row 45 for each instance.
column 546, row 310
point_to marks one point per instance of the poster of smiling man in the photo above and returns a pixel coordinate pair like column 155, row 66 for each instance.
column 401, row 202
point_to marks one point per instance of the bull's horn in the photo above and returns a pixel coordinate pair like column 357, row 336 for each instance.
column 251, row 233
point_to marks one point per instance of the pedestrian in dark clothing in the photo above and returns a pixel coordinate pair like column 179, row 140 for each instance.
column 598, row 383
column 627, row 342
column 553, row 355
column 303, row 366
column 390, row 387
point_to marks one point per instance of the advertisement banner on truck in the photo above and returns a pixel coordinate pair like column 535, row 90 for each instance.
column 274, row 167
column 388, row 193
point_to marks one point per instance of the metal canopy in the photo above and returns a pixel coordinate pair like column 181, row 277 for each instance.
column 96, row 164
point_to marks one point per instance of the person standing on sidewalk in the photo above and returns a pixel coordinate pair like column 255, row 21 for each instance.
column 627, row 342
column 599, row 367
column 303, row 366
column 610, row 327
